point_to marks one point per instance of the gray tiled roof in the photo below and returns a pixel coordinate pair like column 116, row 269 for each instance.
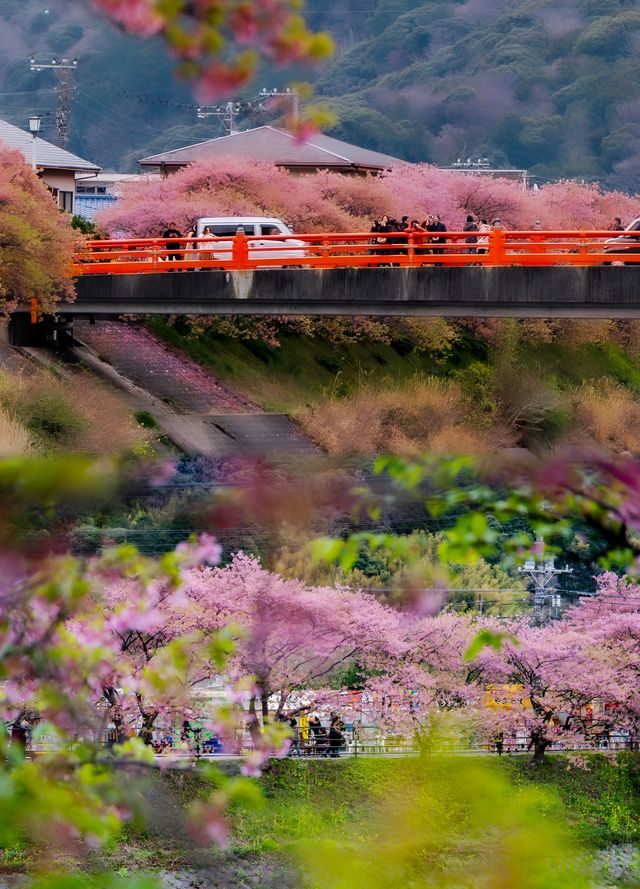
column 47, row 155
column 280, row 147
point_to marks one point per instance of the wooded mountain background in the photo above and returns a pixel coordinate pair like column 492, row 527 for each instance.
column 550, row 85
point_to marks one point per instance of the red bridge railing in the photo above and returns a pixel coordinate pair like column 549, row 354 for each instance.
column 329, row 251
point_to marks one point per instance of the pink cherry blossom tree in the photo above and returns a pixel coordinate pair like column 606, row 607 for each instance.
column 426, row 676
column 151, row 627
column 325, row 201
column 292, row 637
column 573, row 680
column 611, row 620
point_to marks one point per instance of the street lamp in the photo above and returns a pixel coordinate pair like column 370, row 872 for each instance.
column 34, row 129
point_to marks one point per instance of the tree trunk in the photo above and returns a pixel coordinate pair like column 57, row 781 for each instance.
column 253, row 723
column 112, row 698
column 148, row 719
column 539, row 744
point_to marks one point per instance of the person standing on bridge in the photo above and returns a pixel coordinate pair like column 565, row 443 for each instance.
column 437, row 225
column 483, row 229
column 617, row 225
column 418, row 233
column 470, row 226
column 172, row 232
column 206, row 251
column 385, row 226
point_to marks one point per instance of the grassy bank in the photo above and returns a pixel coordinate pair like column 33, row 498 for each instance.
column 463, row 803
column 471, row 393
column 301, row 370
column 42, row 411
column 598, row 804
column 601, row 801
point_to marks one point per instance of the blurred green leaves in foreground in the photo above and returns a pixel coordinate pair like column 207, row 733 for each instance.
column 452, row 823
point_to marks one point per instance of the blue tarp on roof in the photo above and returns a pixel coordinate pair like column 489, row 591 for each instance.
column 89, row 205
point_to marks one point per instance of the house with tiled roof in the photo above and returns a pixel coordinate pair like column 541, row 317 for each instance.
column 279, row 147
column 59, row 169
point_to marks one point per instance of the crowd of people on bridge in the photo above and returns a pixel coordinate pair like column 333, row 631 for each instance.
column 391, row 235
column 429, row 233
column 388, row 236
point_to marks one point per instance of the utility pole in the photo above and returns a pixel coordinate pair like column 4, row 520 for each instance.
column 226, row 114
column 64, row 70
column 542, row 573
column 292, row 94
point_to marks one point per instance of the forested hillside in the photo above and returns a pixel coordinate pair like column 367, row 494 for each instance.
column 551, row 85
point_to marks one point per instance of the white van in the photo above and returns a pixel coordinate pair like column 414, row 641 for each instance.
column 223, row 228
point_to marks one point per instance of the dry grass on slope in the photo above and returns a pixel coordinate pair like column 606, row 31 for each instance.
column 14, row 438
column 609, row 414
column 427, row 414
column 447, row 417
column 76, row 413
column 110, row 427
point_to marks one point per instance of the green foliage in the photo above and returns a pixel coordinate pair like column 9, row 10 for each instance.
column 79, row 223
column 609, row 35
column 51, row 419
column 340, row 818
column 476, row 380
column 602, row 794
column 500, row 384
column 302, row 368
column 306, row 800
column 399, row 565
column 145, row 419
column 487, row 639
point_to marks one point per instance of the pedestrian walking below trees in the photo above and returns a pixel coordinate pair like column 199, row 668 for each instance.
column 336, row 736
column 320, row 740
column 295, row 737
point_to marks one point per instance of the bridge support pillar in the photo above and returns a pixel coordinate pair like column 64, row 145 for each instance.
column 51, row 331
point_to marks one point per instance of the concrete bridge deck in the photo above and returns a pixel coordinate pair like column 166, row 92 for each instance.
column 596, row 291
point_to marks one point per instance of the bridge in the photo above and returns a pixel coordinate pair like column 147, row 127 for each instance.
column 523, row 274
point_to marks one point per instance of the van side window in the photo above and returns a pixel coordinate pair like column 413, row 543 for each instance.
column 229, row 231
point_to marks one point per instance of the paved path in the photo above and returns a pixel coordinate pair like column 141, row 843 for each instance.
column 200, row 414
column 162, row 371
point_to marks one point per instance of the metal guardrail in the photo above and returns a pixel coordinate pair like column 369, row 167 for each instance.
column 329, row 251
